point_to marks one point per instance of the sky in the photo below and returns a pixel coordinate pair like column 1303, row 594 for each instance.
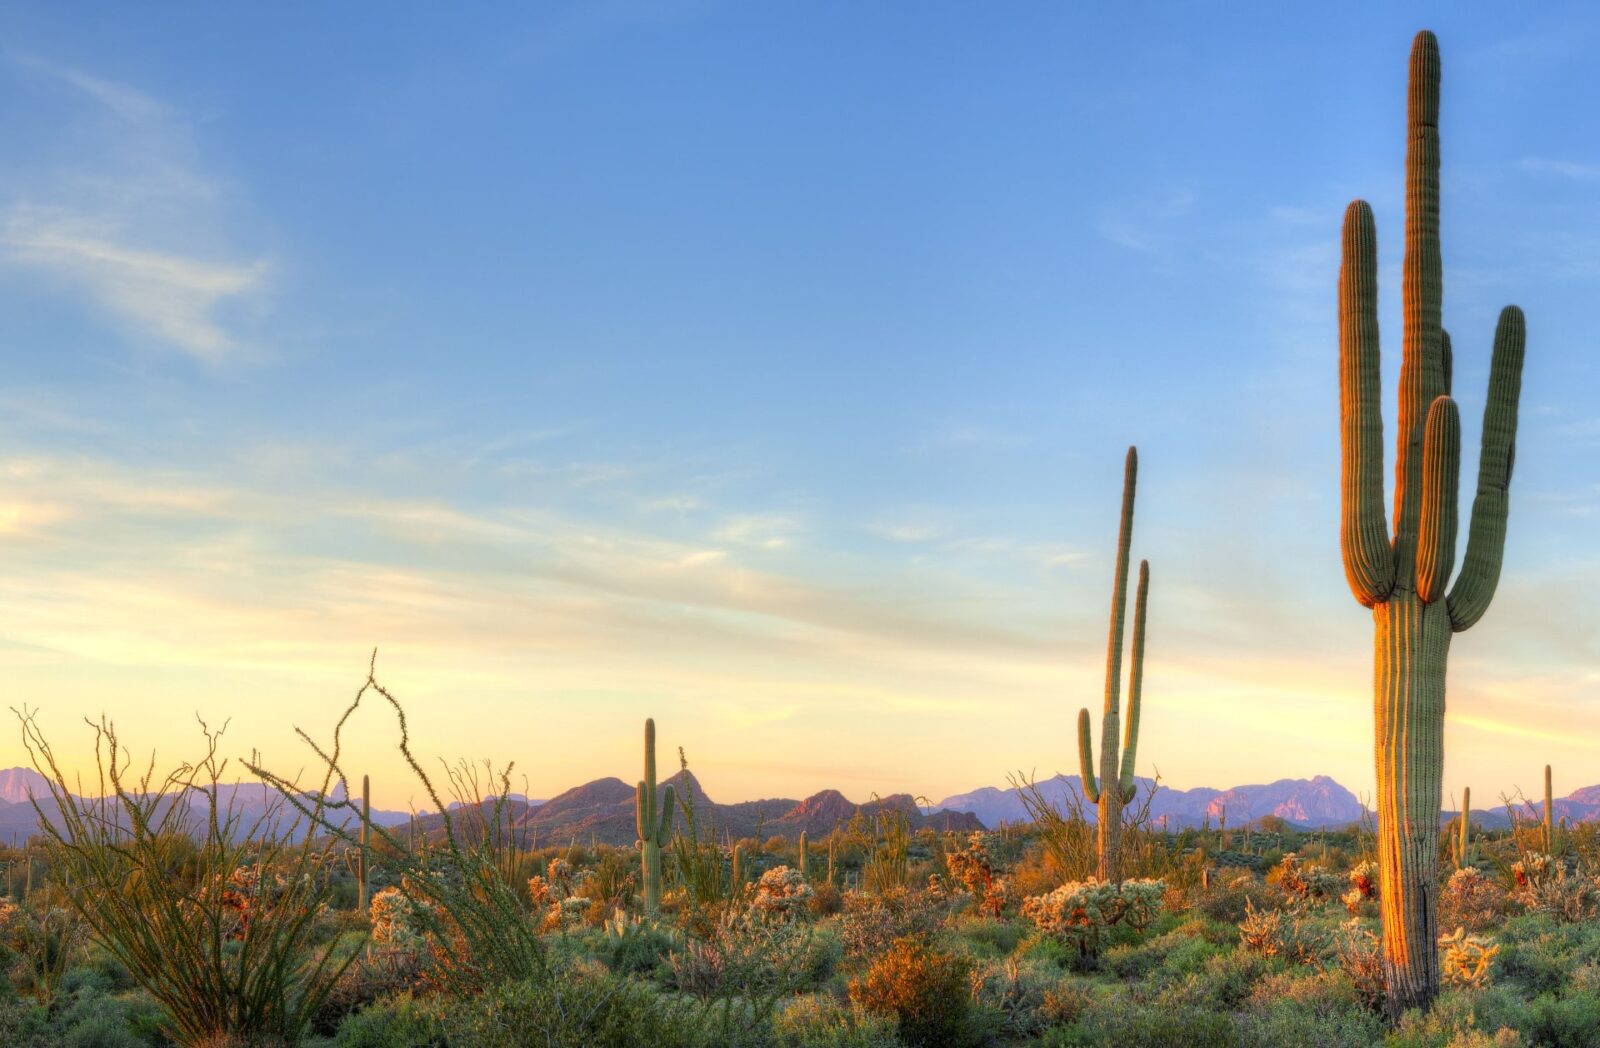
column 768, row 370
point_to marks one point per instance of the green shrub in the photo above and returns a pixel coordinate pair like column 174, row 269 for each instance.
column 1126, row 1023
column 400, row 1023
column 820, row 1021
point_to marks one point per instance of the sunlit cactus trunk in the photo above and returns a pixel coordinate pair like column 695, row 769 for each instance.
column 1116, row 785
column 1405, row 579
column 654, row 824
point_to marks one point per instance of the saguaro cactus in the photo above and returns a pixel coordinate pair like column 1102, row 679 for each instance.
column 805, row 858
column 1549, row 818
column 654, row 824
column 1116, row 787
column 1461, row 841
column 362, row 872
column 1404, row 579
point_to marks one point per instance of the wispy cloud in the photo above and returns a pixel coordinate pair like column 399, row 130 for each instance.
column 133, row 224
column 1568, row 169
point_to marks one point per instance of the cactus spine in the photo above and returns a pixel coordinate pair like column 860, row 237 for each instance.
column 1549, row 818
column 654, row 824
column 362, row 872
column 1404, row 580
column 1116, row 787
column 805, row 861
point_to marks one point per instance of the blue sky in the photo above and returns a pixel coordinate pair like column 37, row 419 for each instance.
column 767, row 370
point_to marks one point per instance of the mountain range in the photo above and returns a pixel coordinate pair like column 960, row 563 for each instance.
column 603, row 810
column 1315, row 803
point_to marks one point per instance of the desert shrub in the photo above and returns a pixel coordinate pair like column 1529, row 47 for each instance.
column 1284, row 1023
column 872, row 922
column 1487, row 1019
column 1164, row 958
column 1303, row 886
column 1127, row 1023
column 40, row 939
column 1356, row 952
column 820, row 1021
column 1470, row 900
column 1222, row 982
column 213, row 916
column 400, row 1022
column 826, row 899
column 1541, row 954
column 925, row 989
column 755, row 960
column 1565, row 1021
column 1545, row 885
column 467, row 885
column 1363, row 878
column 1081, row 912
column 986, row 937
column 588, row 1007
column 630, row 945
column 1231, row 897
column 1012, row 995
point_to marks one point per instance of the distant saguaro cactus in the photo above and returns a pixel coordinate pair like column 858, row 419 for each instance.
column 1115, row 787
column 363, row 874
column 1404, row 580
column 654, row 825
column 1461, row 849
column 1549, row 817
column 805, row 859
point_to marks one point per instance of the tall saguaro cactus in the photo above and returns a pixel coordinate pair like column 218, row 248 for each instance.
column 1116, row 786
column 1405, row 579
column 1461, row 841
column 655, row 824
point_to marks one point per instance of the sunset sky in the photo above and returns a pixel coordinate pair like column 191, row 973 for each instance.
column 767, row 370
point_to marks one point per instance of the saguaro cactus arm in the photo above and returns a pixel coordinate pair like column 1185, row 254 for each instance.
column 1091, row 791
column 1364, row 530
column 1130, row 738
column 1441, row 474
column 1486, row 538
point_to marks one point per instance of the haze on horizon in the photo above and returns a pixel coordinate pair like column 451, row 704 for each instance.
column 769, row 373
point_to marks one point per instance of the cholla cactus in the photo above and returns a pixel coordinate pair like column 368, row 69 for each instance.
column 1468, row 960
column 1081, row 911
column 1265, row 932
column 399, row 922
column 1405, row 579
column 781, row 892
column 1116, row 785
column 975, row 871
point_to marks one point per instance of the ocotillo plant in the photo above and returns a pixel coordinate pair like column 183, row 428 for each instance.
column 1549, row 819
column 1404, row 579
column 805, row 859
column 655, row 825
column 1115, row 788
column 362, row 873
column 1461, row 850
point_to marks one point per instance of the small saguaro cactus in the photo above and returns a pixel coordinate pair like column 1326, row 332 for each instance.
column 832, row 841
column 1461, row 850
column 362, row 858
column 1549, row 817
column 1405, row 579
column 1116, row 787
column 805, row 860
column 654, row 824
column 738, row 868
